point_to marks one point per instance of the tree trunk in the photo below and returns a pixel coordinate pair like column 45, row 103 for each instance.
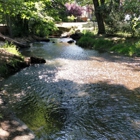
column 99, row 18
column 10, row 40
column 9, row 25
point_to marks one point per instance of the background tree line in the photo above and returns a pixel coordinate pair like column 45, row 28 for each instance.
column 24, row 17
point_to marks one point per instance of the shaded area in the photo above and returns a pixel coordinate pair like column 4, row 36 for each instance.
column 10, row 63
column 10, row 40
column 63, row 109
column 76, row 95
column 12, row 128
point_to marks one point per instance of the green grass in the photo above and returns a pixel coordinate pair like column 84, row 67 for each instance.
column 11, row 49
column 10, row 60
column 102, row 43
column 87, row 40
column 127, row 48
column 123, row 48
column 123, row 45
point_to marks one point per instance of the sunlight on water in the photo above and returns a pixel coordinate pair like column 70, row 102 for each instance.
column 77, row 95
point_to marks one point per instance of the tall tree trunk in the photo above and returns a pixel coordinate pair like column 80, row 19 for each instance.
column 9, row 25
column 99, row 18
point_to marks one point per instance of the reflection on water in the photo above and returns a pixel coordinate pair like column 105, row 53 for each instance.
column 76, row 95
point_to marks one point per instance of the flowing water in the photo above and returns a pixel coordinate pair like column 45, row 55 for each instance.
column 78, row 94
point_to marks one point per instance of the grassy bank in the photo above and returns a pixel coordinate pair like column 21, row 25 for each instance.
column 10, row 59
column 115, row 44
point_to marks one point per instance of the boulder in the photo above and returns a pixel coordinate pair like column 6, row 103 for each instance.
column 70, row 41
column 76, row 36
column 37, row 60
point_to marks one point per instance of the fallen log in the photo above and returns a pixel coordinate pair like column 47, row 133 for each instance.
column 10, row 40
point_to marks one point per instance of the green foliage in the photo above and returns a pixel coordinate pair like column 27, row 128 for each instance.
column 12, row 59
column 112, row 16
column 124, row 48
column 71, row 18
column 84, row 43
column 24, row 17
column 1, row 116
column 127, row 48
column 86, row 40
column 84, row 2
column 3, row 69
column 137, row 44
column 135, row 25
column 11, row 49
column 102, row 44
column 131, row 7
column 41, row 27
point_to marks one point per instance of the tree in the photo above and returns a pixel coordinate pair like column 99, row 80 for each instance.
column 73, row 9
column 84, row 2
column 31, row 16
column 132, row 8
column 99, row 17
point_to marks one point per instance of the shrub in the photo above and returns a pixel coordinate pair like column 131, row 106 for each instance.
column 11, row 49
column 124, row 48
column 137, row 46
column 103, row 44
column 84, row 43
column 11, row 61
column 87, row 40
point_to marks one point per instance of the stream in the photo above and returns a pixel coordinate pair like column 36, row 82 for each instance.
column 79, row 94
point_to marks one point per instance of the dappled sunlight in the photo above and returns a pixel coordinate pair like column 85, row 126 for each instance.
column 12, row 128
column 4, row 133
column 78, row 94
column 82, row 94
column 136, row 124
column 94, row 71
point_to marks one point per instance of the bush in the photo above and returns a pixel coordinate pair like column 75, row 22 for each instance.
column 124, row 48
column 84, row 43
column 137, row 46
column 42, row 27
column 103, row 44
column 87, row 40
column 128, row 46
column 11, row 59
column 125, row 27
column 11, row 49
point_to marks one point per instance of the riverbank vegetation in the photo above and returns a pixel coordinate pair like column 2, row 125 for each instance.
column 129, row 46
column 11, row 59
column 38, row 18
column 24, row 18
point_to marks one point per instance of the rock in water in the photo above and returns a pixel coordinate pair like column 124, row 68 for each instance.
column 70, row 41
column 37, row 60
